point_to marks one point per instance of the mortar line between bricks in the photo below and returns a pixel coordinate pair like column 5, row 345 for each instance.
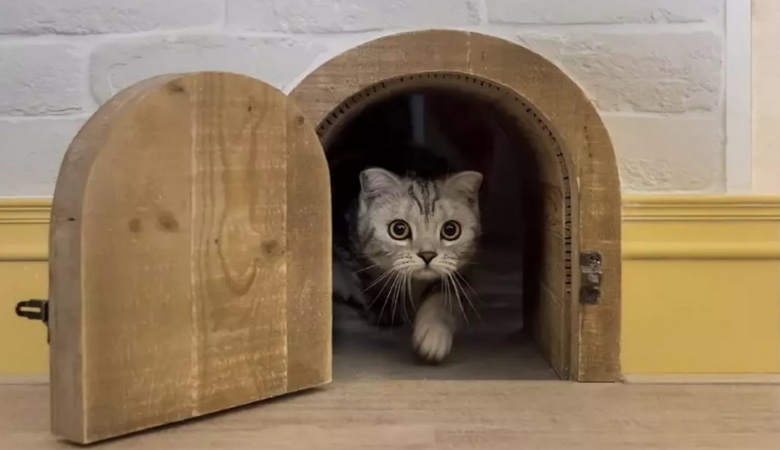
column 33, row 118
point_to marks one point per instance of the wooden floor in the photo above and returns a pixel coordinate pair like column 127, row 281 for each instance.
column 495, row 393
column 438, row 414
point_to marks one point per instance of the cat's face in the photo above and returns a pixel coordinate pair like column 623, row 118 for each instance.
column 426, row 229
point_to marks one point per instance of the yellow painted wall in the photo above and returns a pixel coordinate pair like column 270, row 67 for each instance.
column 701, row 285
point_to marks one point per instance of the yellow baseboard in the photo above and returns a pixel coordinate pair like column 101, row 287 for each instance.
column 701, row 286
column 24, row 236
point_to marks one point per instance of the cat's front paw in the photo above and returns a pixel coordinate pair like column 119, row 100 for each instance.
column 432, row 338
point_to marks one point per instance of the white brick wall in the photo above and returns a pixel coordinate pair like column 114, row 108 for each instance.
column 654, row 67
column 42, row 79
column 668, row 153
column 671, row 72
column 559, row 12
column 121, row 62
column 32, row 17
column 31, row 150
column 329, row 16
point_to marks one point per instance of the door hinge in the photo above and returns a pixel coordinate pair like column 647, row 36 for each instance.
column 35, row 310
column 590, row 281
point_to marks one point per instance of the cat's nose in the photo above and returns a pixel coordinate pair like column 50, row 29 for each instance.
column 427, row 256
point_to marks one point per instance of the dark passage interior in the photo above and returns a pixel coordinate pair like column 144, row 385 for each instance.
column 471, row 133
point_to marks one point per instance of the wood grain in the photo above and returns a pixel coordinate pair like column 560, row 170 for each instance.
column 452, row 415
column 173, row 253
column 548, row 105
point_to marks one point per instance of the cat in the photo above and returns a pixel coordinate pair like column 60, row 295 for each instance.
column 408, row 237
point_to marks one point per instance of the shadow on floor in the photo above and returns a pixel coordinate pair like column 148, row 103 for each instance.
column 363, row 352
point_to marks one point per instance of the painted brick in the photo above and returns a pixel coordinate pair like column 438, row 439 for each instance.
column 628, row 70
column 321, row 16
column 42, row 78
column 32, row 150
column 651, row 72
column 106, row 16
column 601, row 11
column 662, row 154
column 118, row 64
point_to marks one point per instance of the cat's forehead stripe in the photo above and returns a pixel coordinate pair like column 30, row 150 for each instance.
column 413, row 195
column 424, row 191
column 434, row 197
column 425, row 194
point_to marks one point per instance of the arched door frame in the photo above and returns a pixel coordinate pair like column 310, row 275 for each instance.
column 564, row 112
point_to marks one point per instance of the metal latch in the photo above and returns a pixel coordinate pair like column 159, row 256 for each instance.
column 35, row 310
column 590, row 281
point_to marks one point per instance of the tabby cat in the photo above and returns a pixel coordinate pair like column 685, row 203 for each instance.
column 404, row 242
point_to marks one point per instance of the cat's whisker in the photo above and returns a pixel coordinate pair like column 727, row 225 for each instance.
column 398, row 291
column 378, row 279
column 403, row 294
column 466, row 282
column 408, row 296
column 457, row 294
column 448, row 293
column 410, row 293
column 394, row 292
column 444, row 287
column 365, row 268
column 468, row 299
column 384, row 304
column 384, row 285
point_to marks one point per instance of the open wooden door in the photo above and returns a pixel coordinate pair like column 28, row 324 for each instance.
column 190, row 257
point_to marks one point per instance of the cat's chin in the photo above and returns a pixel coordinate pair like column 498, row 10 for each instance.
column 426, row 274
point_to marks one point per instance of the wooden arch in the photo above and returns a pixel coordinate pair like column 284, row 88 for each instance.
column 580, row 331
column 190, row 256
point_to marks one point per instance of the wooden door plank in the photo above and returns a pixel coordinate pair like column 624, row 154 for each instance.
column 173, row 250
column 239, row 269
column 309, row 281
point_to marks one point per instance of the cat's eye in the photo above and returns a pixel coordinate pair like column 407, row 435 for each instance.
column 450, row 230
column 399, row 230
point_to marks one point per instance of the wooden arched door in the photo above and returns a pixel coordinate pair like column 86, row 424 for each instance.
column 190, row 256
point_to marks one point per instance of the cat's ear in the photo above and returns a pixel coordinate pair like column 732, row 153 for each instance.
column 375, row 182
column 465, row 183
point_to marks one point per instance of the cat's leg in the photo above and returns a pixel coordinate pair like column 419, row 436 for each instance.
column 434, row 327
